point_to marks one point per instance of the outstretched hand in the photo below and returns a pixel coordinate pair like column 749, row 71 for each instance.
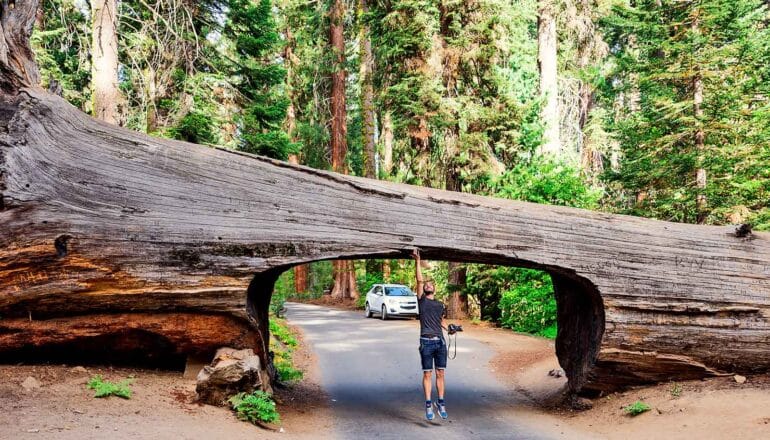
column 416, row 254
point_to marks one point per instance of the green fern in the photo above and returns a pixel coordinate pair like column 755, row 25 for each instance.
column 105, row 388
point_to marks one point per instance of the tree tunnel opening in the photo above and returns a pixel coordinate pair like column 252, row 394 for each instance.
column 579, row 310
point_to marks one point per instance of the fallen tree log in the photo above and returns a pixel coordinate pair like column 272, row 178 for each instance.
column 100, row 221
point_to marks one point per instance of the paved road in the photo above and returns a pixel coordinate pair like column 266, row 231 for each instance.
column 371, row 371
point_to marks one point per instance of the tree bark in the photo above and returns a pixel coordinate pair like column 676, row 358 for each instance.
column 367, row 97
column 104, row 60
column 387, row 143
column 700, row 147
column 339, row 128
column 344, row 272
column 547, row 63
column 457, row 307
column 100, row 221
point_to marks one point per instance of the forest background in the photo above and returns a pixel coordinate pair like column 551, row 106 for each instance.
column 654, row 108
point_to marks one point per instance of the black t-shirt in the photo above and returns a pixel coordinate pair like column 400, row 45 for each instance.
column 431, row 312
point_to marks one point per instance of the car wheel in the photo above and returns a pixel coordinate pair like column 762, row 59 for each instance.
column 368, row 311
column 384, row 314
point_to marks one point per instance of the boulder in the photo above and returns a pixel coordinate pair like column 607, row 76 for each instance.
column 231, row 372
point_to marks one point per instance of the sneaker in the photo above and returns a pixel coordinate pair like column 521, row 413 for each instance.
column 429, row 413
column 441, row 408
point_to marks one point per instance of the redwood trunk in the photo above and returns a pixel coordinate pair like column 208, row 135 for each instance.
column 344, row 272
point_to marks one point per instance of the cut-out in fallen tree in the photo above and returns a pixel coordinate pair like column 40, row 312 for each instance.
column 97, row 221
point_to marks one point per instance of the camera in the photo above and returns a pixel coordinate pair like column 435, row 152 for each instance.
column 454, row 328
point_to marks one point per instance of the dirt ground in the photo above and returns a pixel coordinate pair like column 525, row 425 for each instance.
column 162, row 405
column 716, row 408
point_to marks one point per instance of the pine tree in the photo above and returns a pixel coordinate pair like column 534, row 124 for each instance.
column 693, row 149
column 258, row 77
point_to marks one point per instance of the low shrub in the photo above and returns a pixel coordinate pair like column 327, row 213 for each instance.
column 105, row 388
column 255, row 407
column 636, row 408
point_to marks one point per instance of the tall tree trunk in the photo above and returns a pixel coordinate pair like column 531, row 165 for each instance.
column 344, row 271
column 300, row 271
column 387, row 143
column 104, row 60
column 700, row 147
column 457, row 307
column 152, row 86
column 367, row 96
column 547, row 64
column 366, row 75
column 386, row 271
column 339, row 129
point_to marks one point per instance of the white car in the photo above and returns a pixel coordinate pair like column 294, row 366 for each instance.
column 391, row 300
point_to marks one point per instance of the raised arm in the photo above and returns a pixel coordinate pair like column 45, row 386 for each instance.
column 418, row 273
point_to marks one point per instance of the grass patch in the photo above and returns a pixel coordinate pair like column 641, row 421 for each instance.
column 287, row 372
column 255, row 407
column 281, row 332
column 282, row 345
column 106, row 388
column 636, row 408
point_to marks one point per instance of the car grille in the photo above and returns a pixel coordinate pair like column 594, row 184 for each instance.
column 408, row 307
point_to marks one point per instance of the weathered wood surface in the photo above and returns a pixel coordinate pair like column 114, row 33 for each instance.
column 95, row 219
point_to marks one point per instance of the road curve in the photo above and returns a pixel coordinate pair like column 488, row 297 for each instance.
column 371, row 371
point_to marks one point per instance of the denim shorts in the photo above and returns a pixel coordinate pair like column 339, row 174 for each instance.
column 433, row 351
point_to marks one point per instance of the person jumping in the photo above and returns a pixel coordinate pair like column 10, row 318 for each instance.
column 433, row 347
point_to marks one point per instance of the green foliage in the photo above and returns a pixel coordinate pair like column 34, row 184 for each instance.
column 281, row 332
column 105, row 388
column 282, row 346
column 529, row 306
column 255, row 41
column 61, row 44
column 522, row 299
column 636, row 408
column 660, row 51
column 676, row 390
column 547, row 181
column 196, row 128
column 255, row 407
column 286, row 371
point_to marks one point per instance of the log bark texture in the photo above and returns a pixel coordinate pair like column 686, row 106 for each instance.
column 96, row 220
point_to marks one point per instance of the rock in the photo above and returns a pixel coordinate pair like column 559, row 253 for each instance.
column 78, row 370
column 740, row 379
column 231, row 372
column 30, row 384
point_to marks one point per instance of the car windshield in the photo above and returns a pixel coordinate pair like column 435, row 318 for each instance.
column 398, row 291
